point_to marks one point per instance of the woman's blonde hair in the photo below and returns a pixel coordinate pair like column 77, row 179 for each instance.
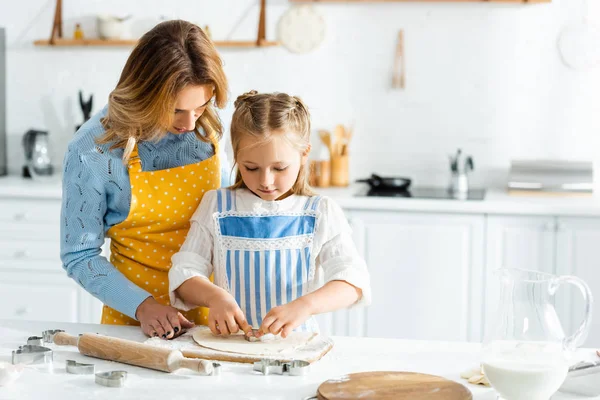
column 169, row 57
column 263, row 115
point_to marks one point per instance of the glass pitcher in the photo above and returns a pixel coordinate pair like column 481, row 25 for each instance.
column 525, row 353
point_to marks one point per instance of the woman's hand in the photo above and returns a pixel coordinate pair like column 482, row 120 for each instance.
column 160, row 320
column 225, row 316
column 284, row 319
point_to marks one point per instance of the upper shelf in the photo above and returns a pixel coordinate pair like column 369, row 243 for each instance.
column 132, row 42
column 417, row 1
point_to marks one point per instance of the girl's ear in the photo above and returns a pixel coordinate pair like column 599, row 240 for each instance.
column 305, row 154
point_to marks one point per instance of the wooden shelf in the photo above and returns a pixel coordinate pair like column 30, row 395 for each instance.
column 422, row 1
column 132, row 42
column 57, row 39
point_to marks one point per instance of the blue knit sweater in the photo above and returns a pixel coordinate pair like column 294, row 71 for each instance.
column 97, row 196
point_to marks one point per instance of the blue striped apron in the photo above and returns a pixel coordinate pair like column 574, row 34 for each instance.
column 266, row 255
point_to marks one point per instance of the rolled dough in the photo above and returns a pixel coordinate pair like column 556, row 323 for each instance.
column 237, row 344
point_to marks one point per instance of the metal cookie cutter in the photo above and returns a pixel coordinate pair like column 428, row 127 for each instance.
column 32, row 354
column 49, row 335
column 35, row 340
column 111, row 378
column 73, row 367
column 216, row 369
column 294, row 367
column 264, row 338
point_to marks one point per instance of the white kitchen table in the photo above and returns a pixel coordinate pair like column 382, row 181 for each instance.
column 237, row 381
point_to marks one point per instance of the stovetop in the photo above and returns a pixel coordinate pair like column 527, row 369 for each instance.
column 426, row 193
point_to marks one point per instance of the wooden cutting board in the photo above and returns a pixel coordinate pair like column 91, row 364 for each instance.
column 384, row 385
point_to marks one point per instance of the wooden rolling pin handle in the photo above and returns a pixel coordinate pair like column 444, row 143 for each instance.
column 202, row 366
column 64, row 339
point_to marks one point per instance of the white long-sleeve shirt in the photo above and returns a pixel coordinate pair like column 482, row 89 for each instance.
column 333, row 253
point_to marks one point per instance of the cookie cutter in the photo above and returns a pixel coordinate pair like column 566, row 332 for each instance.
column 216, row 369
column 32, row 354
column 264, row 338
column 111, row 378
column 48, row 335
column 294, row 367
column 73, row 367
column 35, row 340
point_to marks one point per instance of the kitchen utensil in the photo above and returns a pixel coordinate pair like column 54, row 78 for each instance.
column 31, row 354
column 583, row 379
column 37, row 154
column 134, row 353
column 339, row 170
column 49, row 335
column 270, row 367
column 386, row 385
column 392, row 183
column 460, row 165
column 35, row 340
column 399, row 74
column 73, row 367
column 326, row 139
column 263, row 338
column 86, row 108
column 323, row 173
column 525, row 352
column 111, row 378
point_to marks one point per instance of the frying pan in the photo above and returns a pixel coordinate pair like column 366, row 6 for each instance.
column 387, row 183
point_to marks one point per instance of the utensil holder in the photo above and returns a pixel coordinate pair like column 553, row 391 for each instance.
column 319, row 173
column 339, row 170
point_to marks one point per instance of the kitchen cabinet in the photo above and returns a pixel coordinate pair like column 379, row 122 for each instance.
column 577, row 253
column 349, row 322
column 556, row 245
column 523, row 242
column 426, row 274
column 33, row 284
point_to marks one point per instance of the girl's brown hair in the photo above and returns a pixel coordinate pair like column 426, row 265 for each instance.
column 169, row 57
column 262, row 115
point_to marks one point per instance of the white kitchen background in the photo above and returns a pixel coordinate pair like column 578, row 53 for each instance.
column 484, row 77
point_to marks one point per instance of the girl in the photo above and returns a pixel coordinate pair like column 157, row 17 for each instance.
column 269, row 241
column 136, row 171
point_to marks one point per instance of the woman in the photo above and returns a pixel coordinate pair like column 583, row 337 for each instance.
column 135, row 173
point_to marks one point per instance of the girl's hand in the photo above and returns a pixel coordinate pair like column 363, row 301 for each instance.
column 225, row 316
column 160, row 320
column 284, row 319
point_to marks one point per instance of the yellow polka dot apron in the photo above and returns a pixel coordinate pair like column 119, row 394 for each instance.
column 162, row 203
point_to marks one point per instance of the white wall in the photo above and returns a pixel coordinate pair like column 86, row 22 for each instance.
column 485, row 77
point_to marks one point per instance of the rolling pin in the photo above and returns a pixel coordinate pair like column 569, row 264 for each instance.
column 134, row 353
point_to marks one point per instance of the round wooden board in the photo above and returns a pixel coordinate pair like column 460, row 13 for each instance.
column 385, row 385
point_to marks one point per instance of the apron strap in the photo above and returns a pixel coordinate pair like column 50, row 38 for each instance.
column 312, row 203
column 226, row 200
column 134, row 163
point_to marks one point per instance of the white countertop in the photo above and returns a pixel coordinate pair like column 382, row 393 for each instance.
column 237, row 381
column 496, row 201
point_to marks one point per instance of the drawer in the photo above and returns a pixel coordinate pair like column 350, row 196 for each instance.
column 22, row 230
column 38, row 296
column 28, row 251
column 30, row 211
